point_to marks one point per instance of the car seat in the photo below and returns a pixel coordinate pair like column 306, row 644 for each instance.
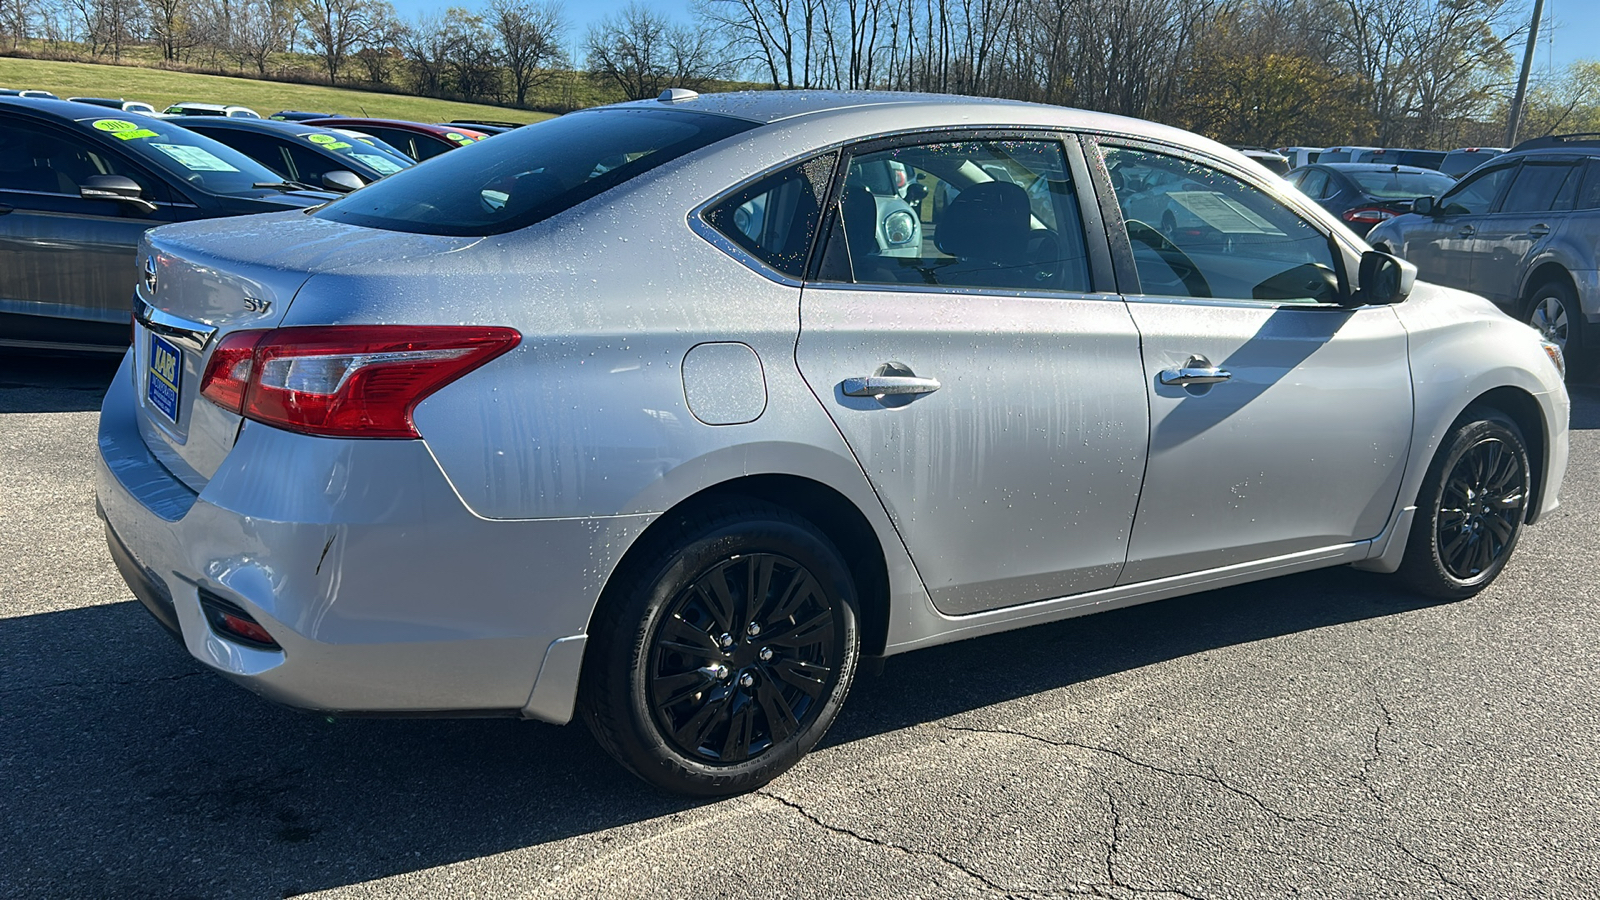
column 987, row 229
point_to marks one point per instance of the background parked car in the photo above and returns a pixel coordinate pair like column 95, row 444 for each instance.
column 1300, row 156
column 1364, row 194
column 296, row 115
column 32, row 94
column 78, row 186
column 1275, row 162
column 1395, row 156
column 211, row 109
column 1341, row 154
column 1522, row 230
column 414, row 139
column 1459, row 162
column 302, row 153
column 133, row 106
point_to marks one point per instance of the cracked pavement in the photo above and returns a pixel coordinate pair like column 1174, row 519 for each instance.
column 1321, row 735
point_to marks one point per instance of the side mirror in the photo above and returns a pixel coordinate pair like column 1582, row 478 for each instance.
column 342, row 181
column 1384, row 279
column 115, row 187
column 1423, row 206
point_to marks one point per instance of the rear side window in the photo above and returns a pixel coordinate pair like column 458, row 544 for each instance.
column 1589, row 193
column 530, row 174
column 1536, row 187
column 775, row 218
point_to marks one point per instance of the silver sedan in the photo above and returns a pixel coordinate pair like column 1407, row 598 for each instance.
column 657, row 414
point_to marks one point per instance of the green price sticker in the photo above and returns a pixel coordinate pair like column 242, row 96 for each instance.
column 457, row 137
column 136, row 133
column 321, row 138
column 115, row 125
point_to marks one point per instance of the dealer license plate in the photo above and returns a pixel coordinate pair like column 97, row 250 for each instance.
column 165, row 383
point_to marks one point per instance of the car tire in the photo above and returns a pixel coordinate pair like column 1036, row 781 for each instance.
column 1553, row 310
column 1470, row 509
column 722, row 656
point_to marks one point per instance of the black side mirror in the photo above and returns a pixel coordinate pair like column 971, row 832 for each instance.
column 1423, row 206
column 1384, row 279
column 115, row 187
column 342, row 181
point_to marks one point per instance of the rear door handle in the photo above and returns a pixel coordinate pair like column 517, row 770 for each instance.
column 1198, row 370
column 1539, row 230
column 888, row 385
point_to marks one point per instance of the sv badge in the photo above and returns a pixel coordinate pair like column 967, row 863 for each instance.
column 251, row 304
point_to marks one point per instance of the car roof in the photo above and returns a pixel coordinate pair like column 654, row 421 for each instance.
column 402, row 124
column 1376, row 167
column 898, row 111
column 241, row 124
column 62, row 109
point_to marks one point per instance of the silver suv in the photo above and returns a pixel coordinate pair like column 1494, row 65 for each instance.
column 1522, row 230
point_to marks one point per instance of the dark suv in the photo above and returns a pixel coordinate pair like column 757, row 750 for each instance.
column 1522, row 230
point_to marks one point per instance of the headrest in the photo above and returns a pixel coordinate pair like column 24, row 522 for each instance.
column 988, row 222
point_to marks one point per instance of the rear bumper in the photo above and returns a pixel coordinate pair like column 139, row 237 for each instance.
column 385, row 593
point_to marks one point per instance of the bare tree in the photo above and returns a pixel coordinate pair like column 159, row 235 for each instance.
column 17, row 19
column 335, row 28
column 642, row 52
column 530, row 36
column 261, row 28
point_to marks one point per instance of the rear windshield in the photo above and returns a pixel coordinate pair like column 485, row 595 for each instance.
column 1401, row 185
column 1460, row 163
column 192, row 158
column 531, row 173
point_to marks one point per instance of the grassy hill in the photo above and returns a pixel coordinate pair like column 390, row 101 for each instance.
column 161, row 88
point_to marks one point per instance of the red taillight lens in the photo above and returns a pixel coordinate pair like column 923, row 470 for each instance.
column 1368, row 215
column 228, row 372
column 359, row 381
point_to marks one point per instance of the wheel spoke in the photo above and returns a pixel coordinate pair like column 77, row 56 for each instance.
column 801, row 587
column 817, row 628
column 806, row 676
column 693, row 733
column 758, row 584
column 676, row 634
column 736, row 746
column 719, row 600
column 781, row 720
column 670, row 690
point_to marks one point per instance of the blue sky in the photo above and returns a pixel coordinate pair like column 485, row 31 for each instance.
column 1575, row 35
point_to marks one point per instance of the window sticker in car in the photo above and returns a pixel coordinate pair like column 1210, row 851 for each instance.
column 1223, row 213
column 122, row 128
column 459, row 138
column 328, row 141
column 195, row 159
column 382, row 164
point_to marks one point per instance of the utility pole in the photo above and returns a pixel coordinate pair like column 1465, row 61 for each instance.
column 1522, row 80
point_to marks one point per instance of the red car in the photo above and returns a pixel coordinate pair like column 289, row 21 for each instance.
column 414, row 139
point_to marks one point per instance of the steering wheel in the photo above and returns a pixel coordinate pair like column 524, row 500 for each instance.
column 1180, row 263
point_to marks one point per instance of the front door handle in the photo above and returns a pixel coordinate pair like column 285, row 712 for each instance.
column 888, row 385
column 1198, row 370
column 1539, row 230
column 5, row 209
column 1467, row 231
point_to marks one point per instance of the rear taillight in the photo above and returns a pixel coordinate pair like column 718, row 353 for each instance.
column 360, row 381
column 1368, row 215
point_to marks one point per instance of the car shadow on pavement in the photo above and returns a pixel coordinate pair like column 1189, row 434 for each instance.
column 45, row 383
column 132, row 771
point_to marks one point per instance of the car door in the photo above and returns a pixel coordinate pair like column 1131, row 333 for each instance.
column 1527, row 217
column 973, row 354
column 62, row 256
column 1279, row 420
column 1443, row 245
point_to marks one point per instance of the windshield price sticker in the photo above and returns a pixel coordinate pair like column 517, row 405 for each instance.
column 122, row 128
column 195, row 159
column 321, row 138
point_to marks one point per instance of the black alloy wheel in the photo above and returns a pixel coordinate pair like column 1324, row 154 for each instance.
column 1471, row 508
column 742, row 658
column 723, row 651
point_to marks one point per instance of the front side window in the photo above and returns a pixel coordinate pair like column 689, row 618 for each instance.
column 530, row 174
column 1199, row 232
column 43, row 160
column 1476, row 194
column 775, row 218
column 992, row 214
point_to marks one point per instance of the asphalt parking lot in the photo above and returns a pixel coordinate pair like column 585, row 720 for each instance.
column 1321, row 735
